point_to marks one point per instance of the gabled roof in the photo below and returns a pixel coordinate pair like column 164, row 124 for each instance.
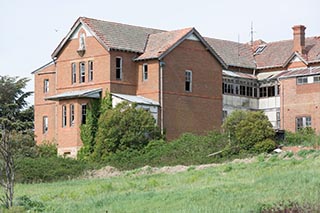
column 233, row 53
column 160, row 44
column 113, row 36
column 90, row 93
column 299, row 72
column 136, row 99
column 42, row 67
column 280, row 53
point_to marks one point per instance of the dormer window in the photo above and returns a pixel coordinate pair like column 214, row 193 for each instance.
column 82, row 44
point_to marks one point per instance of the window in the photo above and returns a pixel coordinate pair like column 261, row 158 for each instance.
column 118, row 68
column 263, row 92
column 302, row 122
column 71, row 114
column 45, row 124
column 46, row 85
column 242, row 90
column 90, row 70
column 278, row 120
column 145, row 72
column 82, row 72
column 259, row 49
column 188, row 81
column 83, row 113
column 302, row 80
column 82, row 44
column 249, row 91
column 73, row 73
column 64, row 116
column 271, row 91
column 316, row 79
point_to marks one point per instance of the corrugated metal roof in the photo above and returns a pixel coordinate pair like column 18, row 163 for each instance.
column 90, row 93
column 237, row 74
column 136, row 99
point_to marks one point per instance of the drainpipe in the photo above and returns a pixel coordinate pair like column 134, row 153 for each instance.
column 161, row 64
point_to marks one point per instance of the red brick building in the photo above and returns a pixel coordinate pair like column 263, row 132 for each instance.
column 170, row 73
column 177, row 76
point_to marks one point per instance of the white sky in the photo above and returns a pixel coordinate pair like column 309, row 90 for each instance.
column 32, row 29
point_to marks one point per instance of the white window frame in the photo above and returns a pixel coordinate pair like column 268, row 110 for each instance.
column 45, row 124
column 145, row 72
column 72, row 117
column 188, row 80
column 119, row 68
column 46, row 85
column 90, row 71
column 64, row 115
column 82, row 72
column 303, row 122
column 73, row 73
column 302, row 80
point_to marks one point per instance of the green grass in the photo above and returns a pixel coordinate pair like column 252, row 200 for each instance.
column 232, row 187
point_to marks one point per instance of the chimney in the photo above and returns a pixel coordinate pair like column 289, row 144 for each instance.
column 299, row 39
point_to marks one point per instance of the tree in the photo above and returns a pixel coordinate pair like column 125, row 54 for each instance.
column 246, row 128
column 122, row 128
column 14, row 121
column 89, row 129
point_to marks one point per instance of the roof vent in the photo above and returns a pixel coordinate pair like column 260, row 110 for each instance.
column 259, row 49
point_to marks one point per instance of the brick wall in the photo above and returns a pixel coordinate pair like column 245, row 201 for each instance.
column 198, row 111
column 299, row 100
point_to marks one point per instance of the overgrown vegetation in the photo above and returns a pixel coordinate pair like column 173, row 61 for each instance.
column 305, row 137
column 265, row 184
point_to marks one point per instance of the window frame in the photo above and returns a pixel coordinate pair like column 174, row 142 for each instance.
column 72, row 115
column 90, row 70
column 188, row 81
column 145, row 73
column 83, row 113
column 119, row 74
column 64, row 116
column 82, row 72
column 303, row 122
column 73, row 73
column 302, row 80
column 46, row 85
column 45, row 124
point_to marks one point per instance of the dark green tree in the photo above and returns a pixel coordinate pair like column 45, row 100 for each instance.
column 247, row 128
column 89, row 129
column 14, row 123
column 122, row 128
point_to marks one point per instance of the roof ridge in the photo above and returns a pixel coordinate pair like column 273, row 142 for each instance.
column 131, row 25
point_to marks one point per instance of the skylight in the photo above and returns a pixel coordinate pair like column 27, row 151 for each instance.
column 260, row 49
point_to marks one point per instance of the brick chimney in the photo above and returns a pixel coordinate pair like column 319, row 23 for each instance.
column 299, row 39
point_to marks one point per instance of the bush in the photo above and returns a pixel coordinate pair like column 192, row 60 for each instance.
column 264, row 146
column 246, row 128
column 189, row 149
column 30, row 205
column 124, row 127
column 48, row 169
column 305, row 136
column 47, row 149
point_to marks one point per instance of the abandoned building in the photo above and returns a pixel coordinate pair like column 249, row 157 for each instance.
column 188, row 82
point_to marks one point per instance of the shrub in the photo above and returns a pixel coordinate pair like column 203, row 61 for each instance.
column 266, row 145
column 246, row 128
column 48, row 169
column 124, row 127
column 305, row 136
column 30, row 205
column 47, row 149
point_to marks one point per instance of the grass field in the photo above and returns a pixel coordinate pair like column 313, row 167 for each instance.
column 231, row 187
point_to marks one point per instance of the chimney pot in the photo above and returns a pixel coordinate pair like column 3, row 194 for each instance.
column 299, row 39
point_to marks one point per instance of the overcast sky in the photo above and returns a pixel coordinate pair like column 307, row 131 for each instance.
column 32, row 29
